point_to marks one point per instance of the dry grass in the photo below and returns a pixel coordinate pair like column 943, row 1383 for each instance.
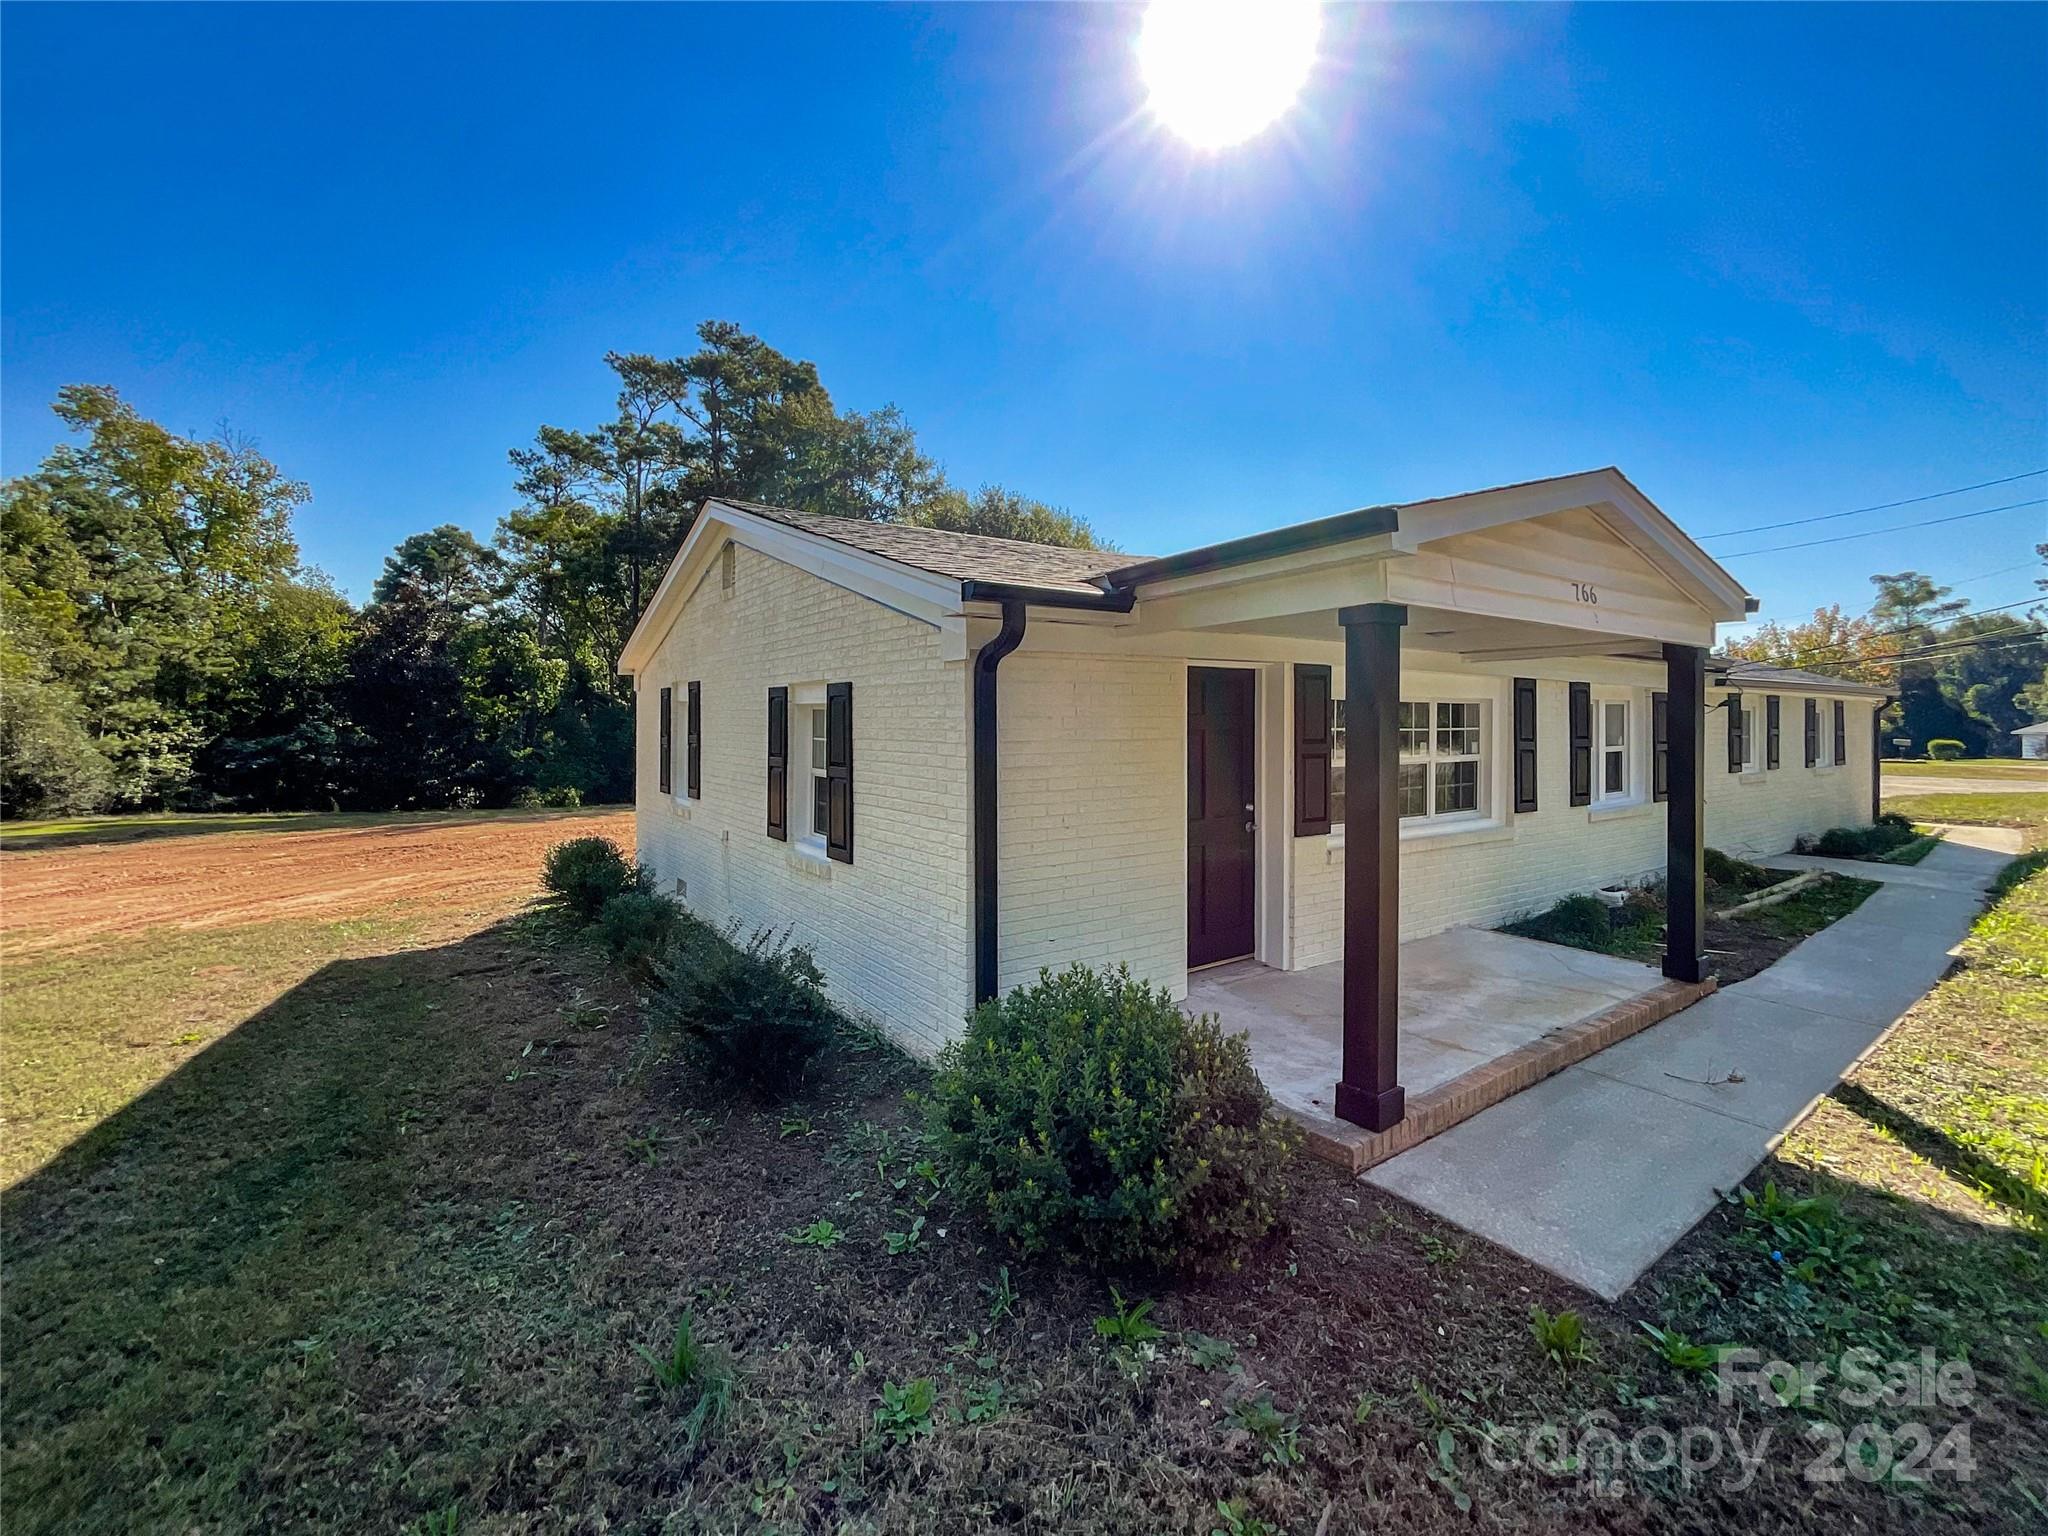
column 381, row 1246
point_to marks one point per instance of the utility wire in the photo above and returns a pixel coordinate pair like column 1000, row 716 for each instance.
column 1882, row 506
column 1997, row 640
column 1871, row 533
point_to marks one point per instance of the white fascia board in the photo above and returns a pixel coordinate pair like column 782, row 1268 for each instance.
column 916, row 594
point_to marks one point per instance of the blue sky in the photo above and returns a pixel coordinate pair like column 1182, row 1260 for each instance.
column 1773, row 261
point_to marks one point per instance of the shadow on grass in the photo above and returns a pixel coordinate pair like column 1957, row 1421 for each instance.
column 84, row 832
column 191, row 1283
column 1967, row 1167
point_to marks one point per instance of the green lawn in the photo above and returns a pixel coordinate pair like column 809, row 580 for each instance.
column 376, row 1251
column 1969, row 768
column 1987, row 810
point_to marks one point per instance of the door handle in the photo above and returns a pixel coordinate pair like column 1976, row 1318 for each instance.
column 1251, row 826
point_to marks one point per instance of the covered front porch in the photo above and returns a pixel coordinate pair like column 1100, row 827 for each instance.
column 1481, row 1015
column 1408, row 720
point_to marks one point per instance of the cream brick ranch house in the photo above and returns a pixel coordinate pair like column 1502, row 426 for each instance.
column 946, row 761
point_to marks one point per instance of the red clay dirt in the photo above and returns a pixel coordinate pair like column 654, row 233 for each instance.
column 64, row 899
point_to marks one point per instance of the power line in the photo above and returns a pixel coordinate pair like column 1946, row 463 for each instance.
column 1872, row 533
column 1882, row 506
column 1997, row 640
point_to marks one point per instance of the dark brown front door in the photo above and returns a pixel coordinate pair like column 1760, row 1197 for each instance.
column 1221, row 859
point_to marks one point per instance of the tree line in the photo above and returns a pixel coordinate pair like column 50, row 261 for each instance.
column 162, row 644
column 1956, row 675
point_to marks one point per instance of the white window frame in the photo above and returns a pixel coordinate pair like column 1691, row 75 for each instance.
column 1631, row 788
column 1494, row 790
column 1430, row 758
column 1752, row 738
column 807, row 720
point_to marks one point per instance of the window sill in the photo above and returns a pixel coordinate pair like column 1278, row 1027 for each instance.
column 1621, row 810
column 1454, row 834
column 680, row 807
column 1753, row 776
column 809, row 857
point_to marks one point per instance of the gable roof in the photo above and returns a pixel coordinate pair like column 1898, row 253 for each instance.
column 930, row 572
column 962, row 556
column 2038, row 728
column 1754, row 674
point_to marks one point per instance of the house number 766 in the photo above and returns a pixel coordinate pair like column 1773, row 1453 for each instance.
column 1585, row 592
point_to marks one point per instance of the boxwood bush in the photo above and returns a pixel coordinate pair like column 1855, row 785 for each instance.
column 1090, row 1120
column 752, row 1013
column 1945, row 749
column 637, row 925
column 586, row 872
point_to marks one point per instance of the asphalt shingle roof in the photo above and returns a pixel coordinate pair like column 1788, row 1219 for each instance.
column 961, row 556
column 1754, row 674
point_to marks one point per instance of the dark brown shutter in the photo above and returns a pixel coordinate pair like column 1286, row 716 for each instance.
column 693, row 743
column 1771, row 731
column 1582, row 743
column 1738, row 736
column 668, row 752
column 1525, row 744
column 778, row 763
column 1660, row 746
column 1311, row 749
column 1812, row 733
column 839, row 771
column 1841, row 732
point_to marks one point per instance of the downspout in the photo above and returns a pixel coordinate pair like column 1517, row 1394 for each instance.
column 986, row 772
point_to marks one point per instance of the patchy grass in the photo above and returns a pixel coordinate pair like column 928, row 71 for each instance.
column 414, row 1232
column 1741, row 945
column 1922, row 844
column 94, row 831
column 1969, row 768
column 1988, row 810
column 1910, row 1209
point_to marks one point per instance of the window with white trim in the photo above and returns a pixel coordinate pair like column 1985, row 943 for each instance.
column 1752, row 738
column 1442, row 753
column 816, row 824
column 1823, row 727
column 1611, row 732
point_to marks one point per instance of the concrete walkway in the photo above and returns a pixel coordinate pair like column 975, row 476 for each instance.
column 1596, row 1172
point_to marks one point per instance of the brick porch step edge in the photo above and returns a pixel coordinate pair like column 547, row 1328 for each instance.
column 1434, row 1112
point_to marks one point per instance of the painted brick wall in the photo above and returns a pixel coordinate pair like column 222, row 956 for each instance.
column 1094, row 815
column 1561, row 848
column 890, row 930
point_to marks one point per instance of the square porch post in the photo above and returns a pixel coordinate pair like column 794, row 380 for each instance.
column 1685, row 826
column 1369, row 1093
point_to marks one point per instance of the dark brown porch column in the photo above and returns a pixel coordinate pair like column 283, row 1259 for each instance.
column 1369, row 1093
column 1685, row 826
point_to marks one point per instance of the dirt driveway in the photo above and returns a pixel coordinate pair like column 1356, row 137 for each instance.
column 62, row 899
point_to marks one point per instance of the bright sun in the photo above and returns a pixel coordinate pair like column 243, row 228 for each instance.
column 1219, row 71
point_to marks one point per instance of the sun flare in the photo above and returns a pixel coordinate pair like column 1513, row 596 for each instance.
column 1221, row 71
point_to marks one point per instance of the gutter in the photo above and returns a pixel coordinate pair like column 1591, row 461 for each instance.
column 1008, row 592
column 987, row 767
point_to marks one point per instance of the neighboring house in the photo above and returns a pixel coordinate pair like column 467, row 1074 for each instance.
column 2033, row 739
column 945, row 761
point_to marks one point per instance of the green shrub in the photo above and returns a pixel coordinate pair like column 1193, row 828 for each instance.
column 1580, row 921
column 1944, row 749
column 1090, row 1120
column 1730, row 878
column 525, row 798
column 563, row 796
column 636, row 924
column 586, row 872
column 753, row 1014
column 1889, row 831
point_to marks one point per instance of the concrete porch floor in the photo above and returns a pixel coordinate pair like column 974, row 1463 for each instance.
column 1468, row 997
